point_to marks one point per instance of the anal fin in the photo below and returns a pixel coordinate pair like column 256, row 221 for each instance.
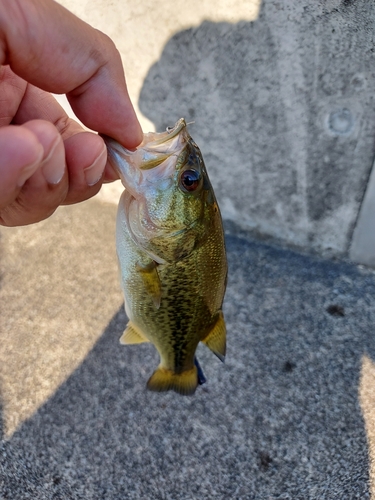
column 184, row 383
column 216, row 337
column 132, row 335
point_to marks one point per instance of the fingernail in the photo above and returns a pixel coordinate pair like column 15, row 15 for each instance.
column 28, row 171
column 53, row 171
column 94, row 172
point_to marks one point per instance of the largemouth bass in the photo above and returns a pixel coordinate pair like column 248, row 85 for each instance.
column 170, row 246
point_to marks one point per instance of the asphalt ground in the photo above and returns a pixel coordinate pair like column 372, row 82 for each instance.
column 290, row 415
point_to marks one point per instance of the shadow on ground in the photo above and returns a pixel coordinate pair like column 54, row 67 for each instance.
column 280, row 419
column 263, row 97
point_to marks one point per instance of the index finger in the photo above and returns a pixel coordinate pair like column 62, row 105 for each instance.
column 51, row 48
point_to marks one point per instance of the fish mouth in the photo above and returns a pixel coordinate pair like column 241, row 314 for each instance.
column 153, row 156
column 169, row 134
column 156, row 150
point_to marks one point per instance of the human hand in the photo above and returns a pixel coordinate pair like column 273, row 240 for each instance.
column 46, row 158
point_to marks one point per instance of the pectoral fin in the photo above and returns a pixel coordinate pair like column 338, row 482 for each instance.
column 151, row 281
column 132, row 335
column 216, row 338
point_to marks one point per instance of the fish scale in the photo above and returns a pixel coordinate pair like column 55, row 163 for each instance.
column 171, row 251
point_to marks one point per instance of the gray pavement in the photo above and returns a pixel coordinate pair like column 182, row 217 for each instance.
column 281, row 419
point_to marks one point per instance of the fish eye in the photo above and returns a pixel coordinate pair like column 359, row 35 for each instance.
column 190, row 180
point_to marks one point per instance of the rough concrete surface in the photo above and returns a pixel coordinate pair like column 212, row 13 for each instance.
column 282, row 96
column 284, row 110
column 281, row 419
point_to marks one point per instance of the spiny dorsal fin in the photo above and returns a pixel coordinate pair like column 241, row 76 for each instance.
column 151, row 281
column 216, row 337
column 132, row 335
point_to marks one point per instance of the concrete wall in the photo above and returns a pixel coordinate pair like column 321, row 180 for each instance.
column 281, row 95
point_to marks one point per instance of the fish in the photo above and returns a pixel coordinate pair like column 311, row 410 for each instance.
column 171, row 252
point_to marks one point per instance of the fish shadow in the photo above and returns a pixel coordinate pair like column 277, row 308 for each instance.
column 280, row 417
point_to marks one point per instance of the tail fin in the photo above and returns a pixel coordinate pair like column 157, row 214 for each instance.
column 184, row 383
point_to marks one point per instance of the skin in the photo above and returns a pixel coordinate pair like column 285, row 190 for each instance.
column 46, row 158
column 177, row 303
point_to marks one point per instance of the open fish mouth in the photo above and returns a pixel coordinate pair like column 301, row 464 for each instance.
column 163, row 137
column 156, row 150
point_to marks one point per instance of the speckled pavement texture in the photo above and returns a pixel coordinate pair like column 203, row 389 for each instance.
column 284, row 418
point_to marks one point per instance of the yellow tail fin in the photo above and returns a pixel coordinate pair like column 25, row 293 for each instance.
column 184, row 383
